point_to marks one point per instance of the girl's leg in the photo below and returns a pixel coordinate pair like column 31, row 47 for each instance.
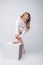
column 18, row 38
column 23, row 48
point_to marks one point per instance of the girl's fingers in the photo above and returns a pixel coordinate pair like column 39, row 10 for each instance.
column 17, row 37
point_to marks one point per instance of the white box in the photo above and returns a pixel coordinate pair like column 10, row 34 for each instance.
column 13, row 51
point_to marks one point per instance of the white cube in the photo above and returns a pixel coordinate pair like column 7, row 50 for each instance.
column 13, row 51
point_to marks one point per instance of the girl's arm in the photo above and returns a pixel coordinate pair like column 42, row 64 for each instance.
column 18, row 32
column 27, row 27
column 16, row 23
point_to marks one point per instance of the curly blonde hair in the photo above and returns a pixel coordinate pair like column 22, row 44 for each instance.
column 28, row 21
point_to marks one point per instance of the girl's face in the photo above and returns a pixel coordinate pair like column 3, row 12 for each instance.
column 25, row 18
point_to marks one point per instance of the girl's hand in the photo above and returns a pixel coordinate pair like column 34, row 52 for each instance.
column 18, row 37
column 27, row 28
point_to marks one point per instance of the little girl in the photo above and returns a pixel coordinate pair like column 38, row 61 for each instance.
column 22, row 25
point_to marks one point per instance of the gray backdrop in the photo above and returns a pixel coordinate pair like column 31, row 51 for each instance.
column 10, row 10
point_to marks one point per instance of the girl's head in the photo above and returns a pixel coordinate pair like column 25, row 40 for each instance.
column 26, row 17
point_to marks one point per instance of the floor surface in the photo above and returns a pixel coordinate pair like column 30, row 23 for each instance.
column 30, row 58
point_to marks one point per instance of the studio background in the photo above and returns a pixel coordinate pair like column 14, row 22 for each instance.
column 10, row 10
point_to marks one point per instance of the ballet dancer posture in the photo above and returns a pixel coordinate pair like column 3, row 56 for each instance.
column 22, row 26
